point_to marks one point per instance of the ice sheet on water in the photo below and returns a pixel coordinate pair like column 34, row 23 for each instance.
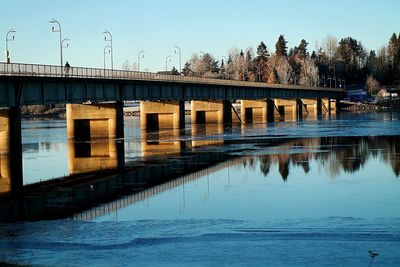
column 312, row 242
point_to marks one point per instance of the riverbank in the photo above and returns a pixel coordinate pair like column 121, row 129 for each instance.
column 44, row 111
column 378, row 106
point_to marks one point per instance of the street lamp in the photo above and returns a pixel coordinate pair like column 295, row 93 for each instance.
column 139, row 56
column 178, row 50
column 7, row 40
column 58, row 30
column 104, row 54
column 111, row 46
column 166, row 62
column 66, row 39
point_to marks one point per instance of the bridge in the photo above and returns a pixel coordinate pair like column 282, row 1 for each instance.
column 95, row 98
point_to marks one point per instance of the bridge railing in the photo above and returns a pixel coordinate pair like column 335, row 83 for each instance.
column 35, row 70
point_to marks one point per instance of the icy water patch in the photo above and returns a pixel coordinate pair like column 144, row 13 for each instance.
column 331, row 241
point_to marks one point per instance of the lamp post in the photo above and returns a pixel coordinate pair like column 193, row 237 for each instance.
column 166, row 62
column 178, row 50
column 104, row 54
column 344, row 84
column 7, row 40
column 58, row 30
column 111, row 47
column 66, row 39
column 139, row 56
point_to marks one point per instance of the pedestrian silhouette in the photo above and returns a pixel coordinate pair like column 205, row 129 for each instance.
column 66, row 68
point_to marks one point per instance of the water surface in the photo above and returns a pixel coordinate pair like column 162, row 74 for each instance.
column 322, row 193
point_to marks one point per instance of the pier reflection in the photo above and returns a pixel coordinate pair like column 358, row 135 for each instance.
column 94, row 155
column 334, row 155
column 65, row 197
column 161, row 143
column 10, row 152
column 207, row 134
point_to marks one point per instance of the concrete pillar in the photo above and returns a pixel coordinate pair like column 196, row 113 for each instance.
column 253, row 111
column 155, row 115
column 219, row 111
column 311, row 105
column 11, row 172
column 322, row 108
column 87, row 121
column 310, row 108
column 329, row 105
column 288, row 108
column 272, row 111
column 95, row 132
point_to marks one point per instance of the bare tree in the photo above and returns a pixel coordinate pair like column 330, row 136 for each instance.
column 279, row 70
column 309, row 72
column 372, row 85
column 329, row 48
column 126, row 65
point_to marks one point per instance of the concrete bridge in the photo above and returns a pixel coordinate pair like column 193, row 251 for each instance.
column 95, row 100
column 162, row 97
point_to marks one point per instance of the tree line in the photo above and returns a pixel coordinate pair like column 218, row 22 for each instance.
column 345, row 61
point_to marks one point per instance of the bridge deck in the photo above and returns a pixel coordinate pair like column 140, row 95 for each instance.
column 47, row 84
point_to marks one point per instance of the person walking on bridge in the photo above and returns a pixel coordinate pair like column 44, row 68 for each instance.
column 66, row 69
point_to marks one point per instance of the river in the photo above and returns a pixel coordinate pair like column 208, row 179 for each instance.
column 306, row 193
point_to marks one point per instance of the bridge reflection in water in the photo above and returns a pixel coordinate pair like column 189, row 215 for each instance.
column 95, row 177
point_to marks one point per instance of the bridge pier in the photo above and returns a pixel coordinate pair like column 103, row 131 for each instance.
column 328, row 105
column 215, row 111
column 155, row 115
column 288, row 108
column 93, row 130
column 11, row 172
column 86, row 121
column 259, row 111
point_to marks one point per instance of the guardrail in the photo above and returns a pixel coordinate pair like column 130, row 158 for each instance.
column 35, row 70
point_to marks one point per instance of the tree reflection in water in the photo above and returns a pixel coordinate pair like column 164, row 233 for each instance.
column 335, row 154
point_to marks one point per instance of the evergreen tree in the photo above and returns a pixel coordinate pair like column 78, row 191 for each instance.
column 186, row 69
column 174, row 71
column 210, row 64
column 262, row 52
column 394, row 57
column 222, row 70
column 261, row 62
column 313, row 55
column 281, row 48
column 302, row 49
column 250, row 65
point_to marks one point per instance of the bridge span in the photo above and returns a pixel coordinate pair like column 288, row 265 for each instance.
column 95, row 98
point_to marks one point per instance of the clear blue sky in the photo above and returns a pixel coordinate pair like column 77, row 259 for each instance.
column 208, row 25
